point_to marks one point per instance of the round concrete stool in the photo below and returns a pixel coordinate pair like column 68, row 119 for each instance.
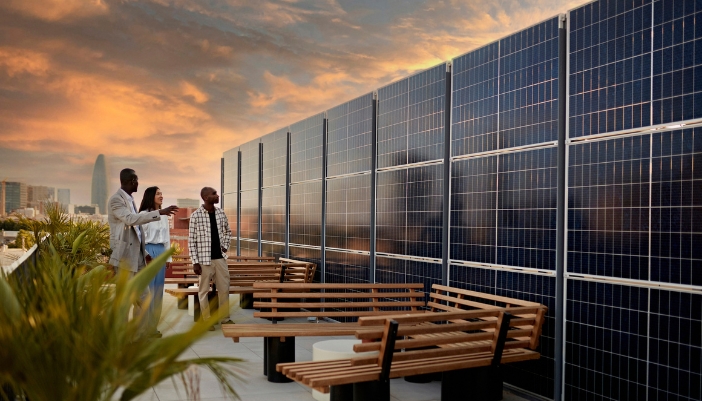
column 335, row 349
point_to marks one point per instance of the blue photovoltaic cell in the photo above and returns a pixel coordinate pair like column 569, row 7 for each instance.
column 676, row 207
column 275, row 250
column 348, row 212
column 677, row 61
column 306, row 213
column 528, row 86
column 401, row 271
column 231, row 171
column 610, row 67
column 306, row 148
column 526, row 219
column 345, row 268
column 275, row 157
column 249, row 165
column 249, row 214
column 249, row 247
column 230, row 209
column 409, row 211
column 503, row 209
column 273, row 214
column 474, row 111
column 535, row 376
column 608, row 207
column 606, row 341
column 675, row 346
column 411, row 119
column 349, row 137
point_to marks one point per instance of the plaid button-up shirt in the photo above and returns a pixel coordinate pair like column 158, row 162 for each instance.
column 200, row 236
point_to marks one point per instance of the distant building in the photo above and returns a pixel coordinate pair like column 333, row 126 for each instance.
column 15, row 196
column 187, row 202
column 64, row 196
column 27, row 212
column 83, row 209
column 38, row 196
column 181, row 220
column 98, row 191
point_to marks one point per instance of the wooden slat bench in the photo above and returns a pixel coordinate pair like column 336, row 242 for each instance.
column 242, row 278
column 324, row 302
column 482, row 338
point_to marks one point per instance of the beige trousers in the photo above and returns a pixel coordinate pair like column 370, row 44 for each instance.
column 220, row 272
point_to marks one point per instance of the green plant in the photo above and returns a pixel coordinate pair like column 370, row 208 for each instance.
column 62, row 231
column 65, row 334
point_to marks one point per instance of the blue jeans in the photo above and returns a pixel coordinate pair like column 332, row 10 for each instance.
column 156, row 289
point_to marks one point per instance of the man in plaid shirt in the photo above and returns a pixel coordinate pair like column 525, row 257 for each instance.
column 209, row 237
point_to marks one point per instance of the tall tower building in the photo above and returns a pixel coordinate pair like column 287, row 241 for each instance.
column 15, row 196
column 64, row 196
column 98, row 193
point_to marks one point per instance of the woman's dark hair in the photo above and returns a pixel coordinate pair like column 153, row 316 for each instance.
column 147, row 202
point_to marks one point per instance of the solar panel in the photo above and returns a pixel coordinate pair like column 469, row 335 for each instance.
column 248, row 247
column 610, row 67
column 411, row 119
column 249, row 215
column 275, row 157
column 348, row 212
column 306, row 213
column 503, row 209
column 231, row 171
column 391, row 270
column 344, row 267
column 306, row 146
column 677, row 61
column 273, row 214
column 409, row 211
column 249, row 165
column 349, row 137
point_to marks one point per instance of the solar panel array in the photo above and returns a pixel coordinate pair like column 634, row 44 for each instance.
column 632, row 207
column 632, row 267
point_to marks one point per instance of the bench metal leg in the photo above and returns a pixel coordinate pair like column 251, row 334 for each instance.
column 372, row 391
column 183, row 303
column 485, row 384
column 278, row 352
column 343, row 392
column 265, row 357
column 246, row 301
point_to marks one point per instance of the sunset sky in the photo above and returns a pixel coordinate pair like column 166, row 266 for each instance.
column 166, row 86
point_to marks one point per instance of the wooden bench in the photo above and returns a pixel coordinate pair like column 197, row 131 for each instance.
column 465, row 340
column 242, row 278
column 322, row 301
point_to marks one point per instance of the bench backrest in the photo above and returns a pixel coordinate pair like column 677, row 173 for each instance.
column 451, row 299
column 310, row 273
column 336, row 300
column 485, row 333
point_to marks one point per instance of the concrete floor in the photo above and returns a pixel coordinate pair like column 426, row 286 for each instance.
column 252, row 385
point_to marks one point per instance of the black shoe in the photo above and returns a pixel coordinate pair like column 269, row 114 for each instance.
column 228, row 322
column 156, row 334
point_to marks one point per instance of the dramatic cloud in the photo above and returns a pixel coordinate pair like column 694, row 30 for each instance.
column 166, row 86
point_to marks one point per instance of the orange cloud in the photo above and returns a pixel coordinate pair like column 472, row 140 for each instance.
column 53, row 10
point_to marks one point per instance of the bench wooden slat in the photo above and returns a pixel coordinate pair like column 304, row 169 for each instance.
column 326, row 314
column 319, row 305
column 334, row 295
column 354, row 286
column 507, row 301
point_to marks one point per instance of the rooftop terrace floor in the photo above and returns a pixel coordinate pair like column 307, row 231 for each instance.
column 253, row 385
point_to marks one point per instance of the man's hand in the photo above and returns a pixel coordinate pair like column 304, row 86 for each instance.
column 224, row 250
column 148, row 259
column 168, row 265
column 197, row 268
column 168, row 211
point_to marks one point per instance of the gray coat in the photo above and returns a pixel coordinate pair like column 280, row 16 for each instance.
column 127, row 249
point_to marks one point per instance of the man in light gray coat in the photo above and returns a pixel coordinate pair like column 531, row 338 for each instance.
column 126, row 236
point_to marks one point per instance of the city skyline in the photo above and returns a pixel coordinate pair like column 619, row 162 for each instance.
column 79, row 80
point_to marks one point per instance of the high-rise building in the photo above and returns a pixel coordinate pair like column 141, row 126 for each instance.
column 15, row 196
column 38, row 195
column 98, row 193
column 187, row 202
column 63, row 196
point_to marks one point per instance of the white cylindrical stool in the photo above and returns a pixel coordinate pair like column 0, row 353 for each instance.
column 334, row 349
